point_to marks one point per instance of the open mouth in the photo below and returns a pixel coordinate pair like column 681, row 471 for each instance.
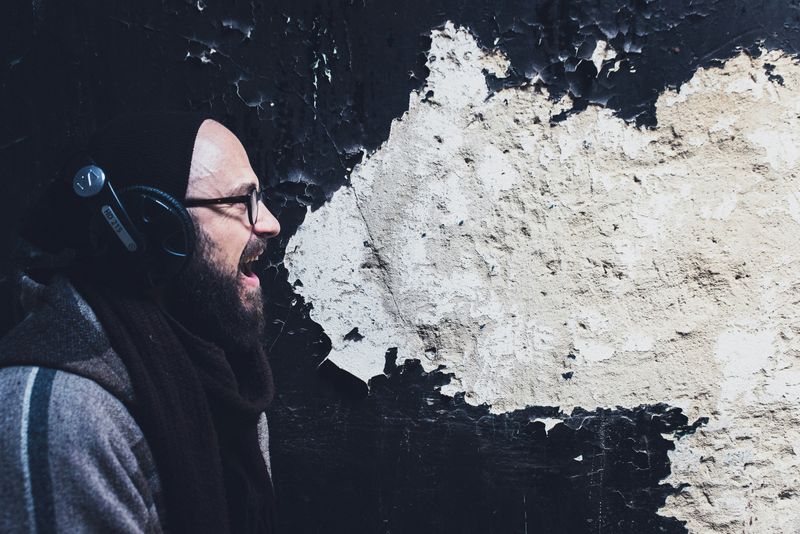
column 246, row 268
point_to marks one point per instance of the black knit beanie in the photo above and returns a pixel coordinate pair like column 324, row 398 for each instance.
column 151, row 148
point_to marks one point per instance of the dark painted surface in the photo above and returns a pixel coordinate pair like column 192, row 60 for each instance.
column 309, row 86
column 408, row 459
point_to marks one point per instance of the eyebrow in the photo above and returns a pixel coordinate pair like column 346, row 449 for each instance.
column 242, row 189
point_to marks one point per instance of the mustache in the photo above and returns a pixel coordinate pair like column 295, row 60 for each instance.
column 254, row 247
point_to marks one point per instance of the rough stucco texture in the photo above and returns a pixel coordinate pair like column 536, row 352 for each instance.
column 588, row 263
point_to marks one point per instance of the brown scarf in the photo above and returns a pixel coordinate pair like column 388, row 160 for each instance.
column 198, row 408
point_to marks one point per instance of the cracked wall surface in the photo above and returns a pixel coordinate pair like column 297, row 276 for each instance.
column 587, row 262
column 312, row 87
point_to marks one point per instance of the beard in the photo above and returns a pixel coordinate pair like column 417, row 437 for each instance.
column 209, row 301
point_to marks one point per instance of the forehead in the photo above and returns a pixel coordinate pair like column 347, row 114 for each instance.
column 220, row 166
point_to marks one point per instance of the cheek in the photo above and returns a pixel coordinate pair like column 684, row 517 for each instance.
column 228, row 244
column 234, row 246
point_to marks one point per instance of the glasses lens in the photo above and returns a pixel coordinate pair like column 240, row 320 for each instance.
column 253, row 207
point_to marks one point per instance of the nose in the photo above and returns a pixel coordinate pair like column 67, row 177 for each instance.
column 266, row 223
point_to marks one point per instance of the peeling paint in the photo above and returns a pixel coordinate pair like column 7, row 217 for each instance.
column 592, row 264
column 545, row 471
column 548, row 423
column 73, row 66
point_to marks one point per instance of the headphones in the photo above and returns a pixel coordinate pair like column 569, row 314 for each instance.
column 144, row 234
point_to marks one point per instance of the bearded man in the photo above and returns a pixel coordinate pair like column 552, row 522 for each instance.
column 133, row 394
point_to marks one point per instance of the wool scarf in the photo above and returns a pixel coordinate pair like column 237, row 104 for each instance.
column 198, row 407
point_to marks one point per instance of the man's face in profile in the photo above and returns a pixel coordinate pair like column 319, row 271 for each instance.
column 218, row 290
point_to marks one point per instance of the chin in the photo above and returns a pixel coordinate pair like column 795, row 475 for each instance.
column 250, row 295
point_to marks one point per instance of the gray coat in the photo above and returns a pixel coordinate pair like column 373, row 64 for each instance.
column 72, row 458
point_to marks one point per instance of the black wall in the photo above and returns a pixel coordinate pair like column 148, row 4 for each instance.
column 405, row 458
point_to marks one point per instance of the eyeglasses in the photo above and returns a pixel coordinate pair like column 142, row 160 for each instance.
column 251, row 200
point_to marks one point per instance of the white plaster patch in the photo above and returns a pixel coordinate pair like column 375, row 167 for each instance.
column 743, row 356
column 781, row 147
column 348, row 267
column 548, row 422
column 654, row 265
column 793, row 201
column 602, row 52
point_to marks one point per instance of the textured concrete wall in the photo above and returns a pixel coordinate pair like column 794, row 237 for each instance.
column 613, row 294
column 587, row 263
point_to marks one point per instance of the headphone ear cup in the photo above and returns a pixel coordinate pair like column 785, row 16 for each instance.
column 166, row 228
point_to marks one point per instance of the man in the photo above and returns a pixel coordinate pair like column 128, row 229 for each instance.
column 131, row 408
